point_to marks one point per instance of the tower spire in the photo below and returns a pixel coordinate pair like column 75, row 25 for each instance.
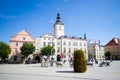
column 58, row 17
column 58, row 21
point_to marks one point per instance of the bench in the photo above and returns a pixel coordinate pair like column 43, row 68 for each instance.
column 104, row 64
column 107, row 63
column 101, row 64
column 58, row 63
column 89, row 63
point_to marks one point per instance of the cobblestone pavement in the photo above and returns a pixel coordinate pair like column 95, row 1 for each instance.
column 36, row 72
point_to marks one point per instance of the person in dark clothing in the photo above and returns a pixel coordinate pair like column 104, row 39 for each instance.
column 15, row 59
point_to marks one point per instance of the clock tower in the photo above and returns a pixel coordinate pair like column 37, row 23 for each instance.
column 58, row 27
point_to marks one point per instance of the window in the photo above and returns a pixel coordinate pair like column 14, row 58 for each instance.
column 59, row 27
column 16, row 51
column 23, row 38
column 48, row 43
column 85, row 50
column 76, row 44
column 58, row 43
column 69, row 50
column 58, row 50
column 64, row 49
column 49, row 38
column 16, row 43
column 74, row 49
column 64, row 43
column 73, row 43
column 44, row 38
column 69, row 43
column 53, row 44
column 44, row 44
column 84, row 44
column 80, row 44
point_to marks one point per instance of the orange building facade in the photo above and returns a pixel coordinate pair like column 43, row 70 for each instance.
column 113, row 47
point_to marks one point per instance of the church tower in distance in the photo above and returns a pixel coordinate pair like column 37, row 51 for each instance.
column 58, row 27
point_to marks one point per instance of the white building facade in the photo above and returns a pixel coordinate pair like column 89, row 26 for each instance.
column 97, row 51
column 102, row 52
column 63, row 44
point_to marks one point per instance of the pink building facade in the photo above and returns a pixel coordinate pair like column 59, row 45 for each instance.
column 16, row 42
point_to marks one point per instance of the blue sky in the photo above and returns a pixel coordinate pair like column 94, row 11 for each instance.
column 99, row 19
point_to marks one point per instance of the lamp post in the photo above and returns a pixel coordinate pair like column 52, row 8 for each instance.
column 51, row 52
column 61, row 47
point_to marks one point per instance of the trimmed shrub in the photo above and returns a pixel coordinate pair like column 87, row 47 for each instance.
column 79, row 62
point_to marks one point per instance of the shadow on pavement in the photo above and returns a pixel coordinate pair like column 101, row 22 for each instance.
column 55, row 76
column 65, row 71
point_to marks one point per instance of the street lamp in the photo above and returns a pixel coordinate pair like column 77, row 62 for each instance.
column 51, row 52
column 61, row 46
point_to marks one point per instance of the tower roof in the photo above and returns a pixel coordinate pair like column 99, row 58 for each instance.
column 58, row 19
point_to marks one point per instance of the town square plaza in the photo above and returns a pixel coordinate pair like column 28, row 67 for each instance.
column 65, row 72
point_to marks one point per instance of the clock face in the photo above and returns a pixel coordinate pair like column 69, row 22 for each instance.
column 59, row 27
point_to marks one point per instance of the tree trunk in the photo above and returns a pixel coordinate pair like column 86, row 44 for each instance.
column 24, row 62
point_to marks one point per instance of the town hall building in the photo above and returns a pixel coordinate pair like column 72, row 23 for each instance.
column 63, row 44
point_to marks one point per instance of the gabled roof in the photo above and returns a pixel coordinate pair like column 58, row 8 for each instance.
column 71, row 37
column 48, row 35
column 113, row 42
column 17, row 36
column 23, row 32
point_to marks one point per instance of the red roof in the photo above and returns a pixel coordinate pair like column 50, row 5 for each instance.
column 113, row 42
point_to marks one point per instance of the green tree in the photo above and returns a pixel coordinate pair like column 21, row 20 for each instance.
column 108, row 55
column 5, row 50
column 27, row 49
column 79, row 61
column 47, row 50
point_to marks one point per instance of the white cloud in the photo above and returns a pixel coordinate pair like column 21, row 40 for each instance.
column 7, row 17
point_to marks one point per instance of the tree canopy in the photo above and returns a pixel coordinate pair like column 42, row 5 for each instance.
column 5, row 50
column 47, row 50
column 27, row 49
column 108, row 54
